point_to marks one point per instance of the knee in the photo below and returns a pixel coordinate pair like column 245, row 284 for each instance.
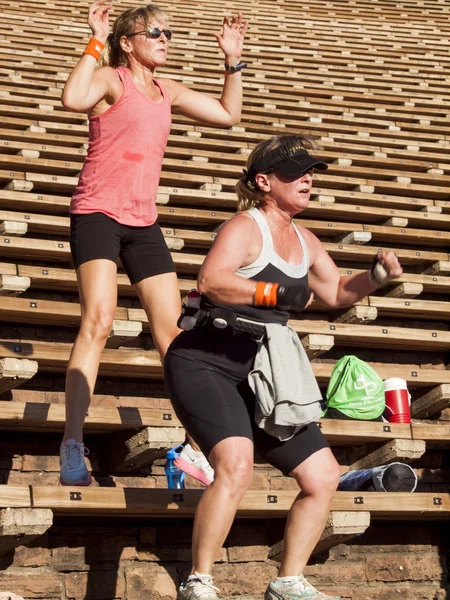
column 323, row 482
column 235, row 472
column 329, row 479
column 97, row 326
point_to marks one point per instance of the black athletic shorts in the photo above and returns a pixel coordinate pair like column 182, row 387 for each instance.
column 206, row 378
column 142, row 250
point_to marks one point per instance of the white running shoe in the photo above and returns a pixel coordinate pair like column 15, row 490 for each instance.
column 73, row 465
column 297, row 589
column 195, row 464
column 200, row 587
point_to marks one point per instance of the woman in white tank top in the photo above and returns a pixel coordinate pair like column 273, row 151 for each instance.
column 261, row 266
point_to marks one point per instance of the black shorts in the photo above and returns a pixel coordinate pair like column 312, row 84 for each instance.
column 142, row 250
column 206, row 378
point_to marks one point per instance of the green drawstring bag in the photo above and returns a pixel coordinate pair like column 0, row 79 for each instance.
column 355, row 389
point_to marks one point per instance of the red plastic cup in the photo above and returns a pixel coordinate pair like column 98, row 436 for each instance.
column 397, row 401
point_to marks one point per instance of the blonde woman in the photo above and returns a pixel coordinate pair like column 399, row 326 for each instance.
column 221, row 374
column 113, row 210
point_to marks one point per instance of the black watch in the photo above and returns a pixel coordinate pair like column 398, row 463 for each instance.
column 235, row 68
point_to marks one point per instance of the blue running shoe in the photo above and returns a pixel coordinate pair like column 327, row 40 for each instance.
column 73, row 465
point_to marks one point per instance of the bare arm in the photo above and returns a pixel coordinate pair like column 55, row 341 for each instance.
column 226, row 111
column 337, row 291
column 202, row 108
column 86, row 85
column 238, row 243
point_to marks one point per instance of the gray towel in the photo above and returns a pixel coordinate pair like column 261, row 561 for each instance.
column 288, row 397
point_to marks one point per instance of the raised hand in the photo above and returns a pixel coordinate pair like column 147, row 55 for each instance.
column 385, row 268
column 98, row 19
column 231, row 39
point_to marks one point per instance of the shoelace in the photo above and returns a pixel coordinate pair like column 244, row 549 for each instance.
column 205, row 587
column 75, row 455
column 302, row 585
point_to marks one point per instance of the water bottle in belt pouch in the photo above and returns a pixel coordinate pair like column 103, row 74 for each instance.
column 189, row 310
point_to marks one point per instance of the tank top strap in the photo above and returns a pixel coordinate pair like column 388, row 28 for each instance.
column 125, row 78
column 261, row 221
column 163, row 90
column 304, row 246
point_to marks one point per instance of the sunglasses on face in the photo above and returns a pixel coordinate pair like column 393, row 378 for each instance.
column 154, row 33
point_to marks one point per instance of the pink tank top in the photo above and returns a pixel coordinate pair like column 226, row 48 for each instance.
column 121, row 173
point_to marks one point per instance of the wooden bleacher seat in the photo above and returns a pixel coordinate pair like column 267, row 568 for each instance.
column 126, row 362
column 47, row 417
column 181, row 503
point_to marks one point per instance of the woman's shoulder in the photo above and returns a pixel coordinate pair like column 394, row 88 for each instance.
column 240, row 224
column 106, row 71
column 308, row 235
column 243, row 219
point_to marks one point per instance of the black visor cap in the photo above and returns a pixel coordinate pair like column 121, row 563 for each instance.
column 294, row 165
column 299, row 163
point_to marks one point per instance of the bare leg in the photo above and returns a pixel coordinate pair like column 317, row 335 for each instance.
column 160, row 297
column 97, row 284
column 232, row 460
column 318, row 478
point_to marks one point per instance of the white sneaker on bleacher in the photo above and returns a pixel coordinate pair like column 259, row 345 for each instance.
column 73, row 465
column 198, row 587
column 297, row 589
column 195, row 464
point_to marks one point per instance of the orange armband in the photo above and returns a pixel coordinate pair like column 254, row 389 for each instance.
column 265, row 294
column 94, row 48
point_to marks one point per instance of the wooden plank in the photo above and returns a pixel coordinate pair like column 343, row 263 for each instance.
column 436, row 435
column 125, row 362
column 58, row 279
column 14, row 496
column 431, row 403
column 8, row 269
column 40, row 416
column 259, row 504
column 384, row 337
column 53, row 357
column 340, row 432
column 410, row 308
column 31, row 310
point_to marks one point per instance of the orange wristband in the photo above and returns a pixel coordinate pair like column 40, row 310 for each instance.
column 94, row 48
column 265, row 294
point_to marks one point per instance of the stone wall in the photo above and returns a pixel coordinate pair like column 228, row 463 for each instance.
column 146, row 561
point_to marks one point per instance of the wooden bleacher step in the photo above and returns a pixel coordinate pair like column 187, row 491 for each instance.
column 134, row 502
column 127, row 362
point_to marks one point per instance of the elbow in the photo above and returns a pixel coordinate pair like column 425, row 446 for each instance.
column 234, row 120
column 71, row 103
column 68, row 105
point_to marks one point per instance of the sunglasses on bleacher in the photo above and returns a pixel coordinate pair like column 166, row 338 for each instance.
column 153, row 33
